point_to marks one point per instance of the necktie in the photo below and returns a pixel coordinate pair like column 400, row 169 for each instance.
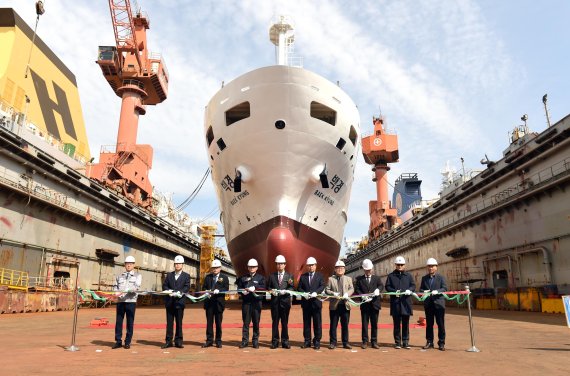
column 310, row 277
column 430, row 282
column 340, row 289
column 215, row 280
column 280, row 279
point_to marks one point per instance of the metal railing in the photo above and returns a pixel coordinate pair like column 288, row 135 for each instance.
column 14, row 279
column 51, row 283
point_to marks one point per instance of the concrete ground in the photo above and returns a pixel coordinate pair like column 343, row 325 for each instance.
column 511, row 343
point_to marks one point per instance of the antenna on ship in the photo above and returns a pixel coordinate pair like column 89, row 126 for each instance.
column 39, row 11
column 544, row 101
column 282, row 35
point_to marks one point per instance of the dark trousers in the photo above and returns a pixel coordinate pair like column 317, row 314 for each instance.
column 315, row 315
column 250, row 313
column 212, row 314
column 279, row 313
column 344, row 315
column 174, row 313
column 123, row 309
column 369, row 314
column 401, row 334
column 437, row 312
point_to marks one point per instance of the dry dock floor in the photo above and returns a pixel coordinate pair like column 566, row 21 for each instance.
column 511, row 343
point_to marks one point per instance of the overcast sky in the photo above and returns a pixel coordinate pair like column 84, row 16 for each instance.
column 451, row 77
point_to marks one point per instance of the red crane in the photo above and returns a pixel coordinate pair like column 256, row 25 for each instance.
column 378, row 150
column 140, row 78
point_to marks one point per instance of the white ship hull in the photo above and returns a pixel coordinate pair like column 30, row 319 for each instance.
column 282, row 207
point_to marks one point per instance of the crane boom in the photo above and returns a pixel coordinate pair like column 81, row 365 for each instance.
column 124, row 28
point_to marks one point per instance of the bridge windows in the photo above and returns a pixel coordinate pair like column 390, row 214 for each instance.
column 323, row 113
column 237, row 113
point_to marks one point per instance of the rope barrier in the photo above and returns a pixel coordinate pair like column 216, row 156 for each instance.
column 459, row 296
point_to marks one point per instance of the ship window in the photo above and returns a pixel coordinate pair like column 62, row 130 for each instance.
column 210, row 136
column 237, row 113
column 340, row 144
column 221, row 144
column 322, row 112
column 352, row 135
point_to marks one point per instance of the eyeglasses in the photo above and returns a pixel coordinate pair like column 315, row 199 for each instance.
column 400, row 264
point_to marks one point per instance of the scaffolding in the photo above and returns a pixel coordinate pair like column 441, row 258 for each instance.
column 207, row 242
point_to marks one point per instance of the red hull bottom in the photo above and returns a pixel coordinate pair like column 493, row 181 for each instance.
column 283, row 236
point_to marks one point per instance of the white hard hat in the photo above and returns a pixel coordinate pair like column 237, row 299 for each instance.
column 179, row 260
column 252, row 262
column 216, row 264
column 367, row 264
column 311, row 261
column 431, row 261
column 280, row 259
column 129, row 259
column 339, row 263
column 400, row 260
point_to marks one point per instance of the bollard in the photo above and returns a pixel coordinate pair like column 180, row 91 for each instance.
column 472, row 348
column 76, row 307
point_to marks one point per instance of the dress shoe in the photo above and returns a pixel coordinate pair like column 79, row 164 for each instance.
column 219, row 345
column 306, row 345
column 117, row 345
column 255, row 345
column 179, row 345
column 242, row 345
column 364, row 345
column 274, row 345
column 428, row 345
column 406, row 346
column 127, row 347
column 207, row 344
column 166, row 345
column 317, row 345
column 286, row 345
column 397, row 346
column 441, row 348
column 332, row 346
column 347, row 346
column 375, row 345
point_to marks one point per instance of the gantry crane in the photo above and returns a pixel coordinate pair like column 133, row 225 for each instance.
column 140, row 78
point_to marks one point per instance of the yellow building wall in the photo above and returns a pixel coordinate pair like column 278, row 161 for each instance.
column 14, row 86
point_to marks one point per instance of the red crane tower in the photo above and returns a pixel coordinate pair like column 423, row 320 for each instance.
column 140, row 78
column 378, row 150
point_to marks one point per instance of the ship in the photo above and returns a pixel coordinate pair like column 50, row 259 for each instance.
column 65, row 220
column 282, row 144
column 501, row 231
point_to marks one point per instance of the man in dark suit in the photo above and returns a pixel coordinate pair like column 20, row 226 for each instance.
column 215, row 282
column 434, row 305
column 178, row 283
column 279, row 282
column 370, row 310
column 313, row 283
column 251, row 304
column 403, row 283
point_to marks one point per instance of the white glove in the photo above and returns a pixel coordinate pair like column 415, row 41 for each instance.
column 179, row 294
column 407, row 292
column 434, row 292
column 127, row 290
column 345, row 295
column 376, row 292
column 252, row 288
column 336, row 293
column 245, row 292
column 216, row 291
column 282, row 292
column 207, row 295
column 313, row 295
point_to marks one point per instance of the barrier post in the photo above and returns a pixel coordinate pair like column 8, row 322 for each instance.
column 75, row 311
column 472, row 348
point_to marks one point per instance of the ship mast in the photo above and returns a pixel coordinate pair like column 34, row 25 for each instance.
column 140, row 78
column 282, row 35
